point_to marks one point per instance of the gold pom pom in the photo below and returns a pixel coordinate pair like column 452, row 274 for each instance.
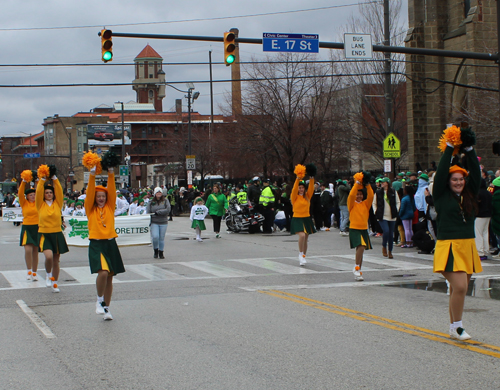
column 359, row 177
column 43, row 171
column 300, row 171
column 27, row 175
column 90, row 160
column 451, row 135
column 98, row 170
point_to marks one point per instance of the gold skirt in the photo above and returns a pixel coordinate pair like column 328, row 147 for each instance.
column 463, row 254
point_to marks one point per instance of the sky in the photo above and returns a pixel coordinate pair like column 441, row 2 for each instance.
column 65, row 32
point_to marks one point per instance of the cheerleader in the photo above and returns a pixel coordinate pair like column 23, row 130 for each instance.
column 104, row 256
column 49, row 201
column 454, row 193
column 301, row 202
column 29, row 228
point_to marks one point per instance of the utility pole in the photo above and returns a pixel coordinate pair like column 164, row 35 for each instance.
column 388, row 82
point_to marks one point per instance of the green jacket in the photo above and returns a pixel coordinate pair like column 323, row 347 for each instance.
column 216, row 204
column 451, row 223
column 495, row 218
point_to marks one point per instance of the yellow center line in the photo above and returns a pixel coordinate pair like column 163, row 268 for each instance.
column 386, row 323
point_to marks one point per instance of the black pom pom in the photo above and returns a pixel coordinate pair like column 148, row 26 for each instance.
column 35, row 176
column 367, row 177
column 109, row 160
column 311, row 169
column 468, row 138
column 52, row 170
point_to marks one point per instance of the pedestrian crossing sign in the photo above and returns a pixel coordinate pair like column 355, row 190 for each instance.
column 392, row 146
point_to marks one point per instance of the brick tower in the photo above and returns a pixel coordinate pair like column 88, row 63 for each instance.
column 148, row 75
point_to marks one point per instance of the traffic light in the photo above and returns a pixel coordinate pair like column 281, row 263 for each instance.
column 229, row 48
column 106, row 45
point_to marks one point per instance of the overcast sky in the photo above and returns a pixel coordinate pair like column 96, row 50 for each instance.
column 65, row 32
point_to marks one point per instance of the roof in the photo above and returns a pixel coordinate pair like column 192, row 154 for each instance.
column 148, row 52
column 29, row 142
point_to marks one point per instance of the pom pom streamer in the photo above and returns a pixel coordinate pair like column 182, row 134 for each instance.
column 311, row 169
column 300, row 171
column 27, row 175
column 90, row 160
column 52, row 170
column 110, row 160
column 468, row 137
column 367, row 176
column 43, row 171
column 451, row 135
column 359, row 177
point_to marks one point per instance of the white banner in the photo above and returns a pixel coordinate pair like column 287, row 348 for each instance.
column 12, row 214
column 131, row 230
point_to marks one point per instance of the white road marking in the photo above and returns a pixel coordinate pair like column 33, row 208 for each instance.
column 36, row 320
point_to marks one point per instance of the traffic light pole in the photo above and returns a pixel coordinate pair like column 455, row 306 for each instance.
column 329, row 45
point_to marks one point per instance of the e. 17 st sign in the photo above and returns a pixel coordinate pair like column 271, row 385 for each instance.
column 297, row 43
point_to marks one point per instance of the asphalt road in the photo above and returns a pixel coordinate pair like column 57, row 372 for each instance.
column 239, row 313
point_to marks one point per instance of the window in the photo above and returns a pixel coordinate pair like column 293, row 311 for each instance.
column 80, row 147
column 151, row 93
column 466, row 7
column 150, row 76
column 156, row 129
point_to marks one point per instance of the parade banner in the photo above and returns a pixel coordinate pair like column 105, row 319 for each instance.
column 12, row 214
column 131, row 230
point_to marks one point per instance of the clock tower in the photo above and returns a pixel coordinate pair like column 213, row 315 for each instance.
column 148, row 77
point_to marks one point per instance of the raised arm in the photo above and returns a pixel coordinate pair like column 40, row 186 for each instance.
column 111, row 201
column 20, row 194
column 90, row 198
column 351, row 198
column 369, row 196
column 310, row 188
column 295, row 191
column 442, row 172
column 474, row 181
column 58, row 192
column 40, row 189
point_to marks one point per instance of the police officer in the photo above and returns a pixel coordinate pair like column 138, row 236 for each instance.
column 240, row 195
column 266, row 205
column 254, row 191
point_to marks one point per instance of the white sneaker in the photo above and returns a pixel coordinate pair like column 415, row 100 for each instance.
column 217, row 235
column 34, row 277
column 28, row 276
column 48, row 282
column 459, row 334
column 345, row 234
column 357, row 273
column 55, row 288
column 98, row 308
column 302, row 260
column 322, row 229
column 199, row 239
column 107, row 315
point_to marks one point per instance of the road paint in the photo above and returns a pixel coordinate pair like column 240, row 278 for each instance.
column 470, row 345
column 36, row 320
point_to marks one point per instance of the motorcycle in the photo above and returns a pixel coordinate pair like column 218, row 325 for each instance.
column 242, row 217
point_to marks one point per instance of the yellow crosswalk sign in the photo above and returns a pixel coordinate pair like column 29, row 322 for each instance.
column 392, row 146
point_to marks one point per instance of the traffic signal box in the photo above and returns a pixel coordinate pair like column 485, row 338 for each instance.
column 106, row 45
column 229, row 48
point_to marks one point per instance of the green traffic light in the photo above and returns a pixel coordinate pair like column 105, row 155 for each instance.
column 230, row 59
column 107, row 56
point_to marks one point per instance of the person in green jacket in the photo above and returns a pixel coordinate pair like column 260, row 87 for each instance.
column 217, row 205
column 455, row 192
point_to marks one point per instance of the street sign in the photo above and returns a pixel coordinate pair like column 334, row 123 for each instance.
column 297, row 43
column 71, row 173
column 358, row 46
column 123, row 170
column 387, row 166
column 392, row 146
column 31, row 155
column 190, row 163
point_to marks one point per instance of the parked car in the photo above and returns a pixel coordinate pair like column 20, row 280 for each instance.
column 102, row 136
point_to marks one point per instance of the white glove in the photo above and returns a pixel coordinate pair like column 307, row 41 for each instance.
column 450, row 145
column 111, row 170
column 93, row 170
column 468, row 148
column 44, row 178
column 54, row 177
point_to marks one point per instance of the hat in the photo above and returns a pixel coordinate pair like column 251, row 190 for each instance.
column 401, row 174
column 385, row 180
column 101, row 188
column 256, row 178
column 458, row 169
column 266, row 180
column 198, row 199
column 158, row 189
column 496, row 182
column 408, row 173
column 424, row 176
column 79, row 203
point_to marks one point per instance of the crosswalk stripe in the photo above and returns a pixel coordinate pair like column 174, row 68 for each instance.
column 389, row 262
column 152, row 272
column 217, row 269
column 275, row 266
column 81, row 275
column 336, row 264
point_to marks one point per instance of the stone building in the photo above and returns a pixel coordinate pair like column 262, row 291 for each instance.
column 434, row 95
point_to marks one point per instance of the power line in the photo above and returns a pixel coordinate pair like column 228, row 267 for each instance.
column 187, row 20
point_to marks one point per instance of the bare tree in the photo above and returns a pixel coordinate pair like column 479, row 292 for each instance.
column 286, row 107
column 364, row 80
